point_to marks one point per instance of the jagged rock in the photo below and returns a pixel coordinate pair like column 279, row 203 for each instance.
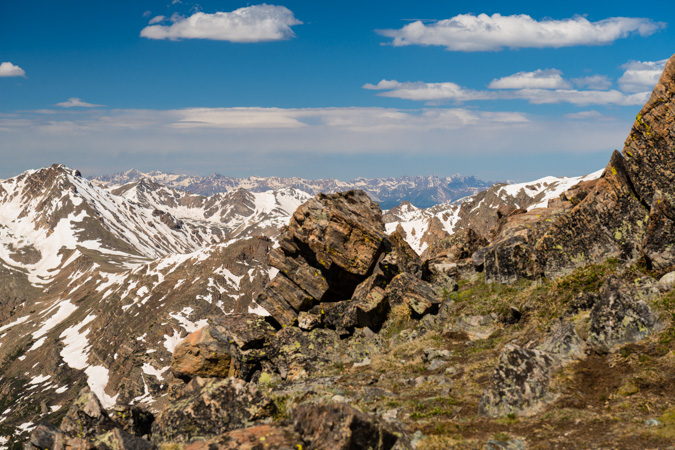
column 330, row 246
column 200, row 354
column 564, row 342
column 86, row 416
column 295, row 354
column 659, row 242
column 583, row 301
column 261, row 437
column 618, row 317
column 668, row 280
column 648, row 151
column 43, row 437
column 399, row 258
column 210, row 407
column 121, row 440
column 419, row 295
column 519, row 384
column 510, row 260
column 460, row 245
column 231, row 345
column 339, row 426
column 368, row 307
column 475, row 327
column 478, row 259
column 307, row 321
column 133, row 419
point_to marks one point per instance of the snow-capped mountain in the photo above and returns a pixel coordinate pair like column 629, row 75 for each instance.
column 481, row 211
column 388, row 192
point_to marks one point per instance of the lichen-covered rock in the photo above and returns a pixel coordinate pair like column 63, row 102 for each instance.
column 618, row 317
column 668, row 281
column 399, row 258
column 121, row 440
column 210, row 407
column 261, row 437
column 339, row 426
column 331, row 245
column 650, row 147
column 43, row 437
column 460, row 245
column 510, row 260
column 519, row 384
column 133, row 419
column 368, row 307
column 564, row 342
column 659, row 242
column 296, row 354
column 419, row 295
column 86, row 416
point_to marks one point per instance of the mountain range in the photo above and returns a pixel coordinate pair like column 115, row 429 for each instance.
column 423, row 192
column 137, row 312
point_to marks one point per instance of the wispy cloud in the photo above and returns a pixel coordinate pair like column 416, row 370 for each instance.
column 539, row 79
column 451, row 92
column 470, row 33
column 157, row 19
column 600, row 82
column 640, row 76
column 7, row 69
column 75, row 102
column 257, row 23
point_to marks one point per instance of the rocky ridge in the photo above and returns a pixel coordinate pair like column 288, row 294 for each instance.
column 551, row 327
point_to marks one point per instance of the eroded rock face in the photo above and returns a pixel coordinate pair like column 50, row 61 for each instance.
column 619, row 317
column 210, row 407
column 420, row 296
column 649, row 151
column 519, row 384
column 659, row 242
column 331, row 245
column 295, row 354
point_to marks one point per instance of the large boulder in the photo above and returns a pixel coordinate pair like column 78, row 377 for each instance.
column 331, row 245
column 519, row 384
column 209, row 407
column 86, row 417
column 619, row 316
column 296, row 354
column 420, row 296
column 659, row 242
column 232, row 345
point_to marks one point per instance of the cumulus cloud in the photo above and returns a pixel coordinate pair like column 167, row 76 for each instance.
column 257, row 23
column 539, row 79
column 76, row 102
column 7, row 69
column 641, row 76
column 469, row 33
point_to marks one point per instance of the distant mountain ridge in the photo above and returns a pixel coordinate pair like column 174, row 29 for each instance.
column 423, row 192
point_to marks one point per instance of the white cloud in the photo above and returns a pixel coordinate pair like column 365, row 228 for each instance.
column 76, row 102
column 421, row 91
column 641, row 76
column 256, row 23
column 468, row 33
column 7, row 69
column 157, row 19
column 588, row 115
column 451, row 92
column 600, row 82
column 539, row 79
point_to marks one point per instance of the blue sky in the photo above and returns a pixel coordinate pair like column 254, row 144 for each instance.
column 500, row 90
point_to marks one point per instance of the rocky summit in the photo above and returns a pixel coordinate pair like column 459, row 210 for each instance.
column 531, row 316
